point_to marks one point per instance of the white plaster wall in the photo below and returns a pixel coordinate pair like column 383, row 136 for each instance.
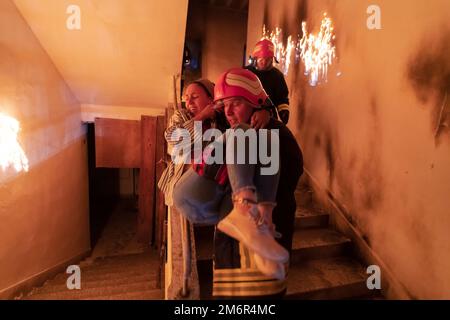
column 43, row 212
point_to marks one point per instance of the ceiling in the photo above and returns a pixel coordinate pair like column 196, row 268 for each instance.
column 125, row 53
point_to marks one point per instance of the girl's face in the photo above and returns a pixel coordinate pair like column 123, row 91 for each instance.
column 196, row 98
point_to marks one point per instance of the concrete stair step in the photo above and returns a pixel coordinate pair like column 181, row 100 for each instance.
column 317, row 244
column 303, row 197
column 373, row 295
column 310, row 218
column 50, row 286
column 156, row 294
column 113, row 272
column 127, row 260
column 113, row 268
column 332, row 278
column 105, row 276
column 89, row 293
column 124, row 262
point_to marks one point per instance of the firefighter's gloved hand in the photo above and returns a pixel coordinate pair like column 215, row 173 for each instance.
column 284, row 116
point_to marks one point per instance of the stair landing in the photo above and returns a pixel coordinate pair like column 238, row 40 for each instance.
column 122, row 277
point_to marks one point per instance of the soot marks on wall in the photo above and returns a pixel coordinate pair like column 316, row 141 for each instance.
column 298, row 97
column 429, row 75
column 323, row 141
column 298, row 83
column 301, row 12
column 329, row 149
column 429, row 69
column 370, row 174
column 353, row 160
column 298, row 79
column 301, row 111
column 371, row 181
column 320, row 142
column 284, row 25
column 266, row 14
column 359, row 175
column 374, row 116
column 443, row 127
column 317, row 141
column 373, row 106
column 345, row 186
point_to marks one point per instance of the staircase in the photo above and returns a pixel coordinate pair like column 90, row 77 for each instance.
column 322, row 262
column 323, row 265
column 122, row 277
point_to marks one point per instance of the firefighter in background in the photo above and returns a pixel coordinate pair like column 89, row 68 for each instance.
column 271, row 78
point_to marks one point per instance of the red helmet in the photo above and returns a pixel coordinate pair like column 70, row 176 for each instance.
column 243, row 83
column 264, row 49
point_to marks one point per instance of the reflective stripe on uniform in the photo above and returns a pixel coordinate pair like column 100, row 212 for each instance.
column 247, row 288
column 246, row 280
column 282, row 107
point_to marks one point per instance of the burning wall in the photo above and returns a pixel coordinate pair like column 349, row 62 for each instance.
column 43, row 212
column 377, row 135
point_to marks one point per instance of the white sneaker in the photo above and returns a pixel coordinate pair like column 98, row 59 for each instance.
column 245, row 225
column 270, row 268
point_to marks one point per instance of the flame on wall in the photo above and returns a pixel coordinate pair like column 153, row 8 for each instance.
column 283, row 51
column 11, row 153
column 316, row 51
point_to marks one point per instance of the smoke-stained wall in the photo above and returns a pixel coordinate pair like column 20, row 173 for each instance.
column 222, row 34
column 44, row 218
column 377, row 136
column 224, row 41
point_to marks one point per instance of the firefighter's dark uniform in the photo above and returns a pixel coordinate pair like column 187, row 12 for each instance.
column 275, row 86
column 235, row 274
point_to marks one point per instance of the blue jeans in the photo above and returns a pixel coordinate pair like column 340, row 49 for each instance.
column 248, row 175
column 203, row 201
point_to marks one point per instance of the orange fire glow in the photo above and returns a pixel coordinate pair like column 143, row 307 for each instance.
column 11, row 153
column 316, row 51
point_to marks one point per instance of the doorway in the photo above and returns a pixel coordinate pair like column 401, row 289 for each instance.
column 113, row 206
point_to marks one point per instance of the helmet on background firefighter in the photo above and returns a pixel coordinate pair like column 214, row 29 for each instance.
column 243, row 83
column 264, row 49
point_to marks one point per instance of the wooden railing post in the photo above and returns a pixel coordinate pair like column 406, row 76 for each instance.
column 147, row 179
